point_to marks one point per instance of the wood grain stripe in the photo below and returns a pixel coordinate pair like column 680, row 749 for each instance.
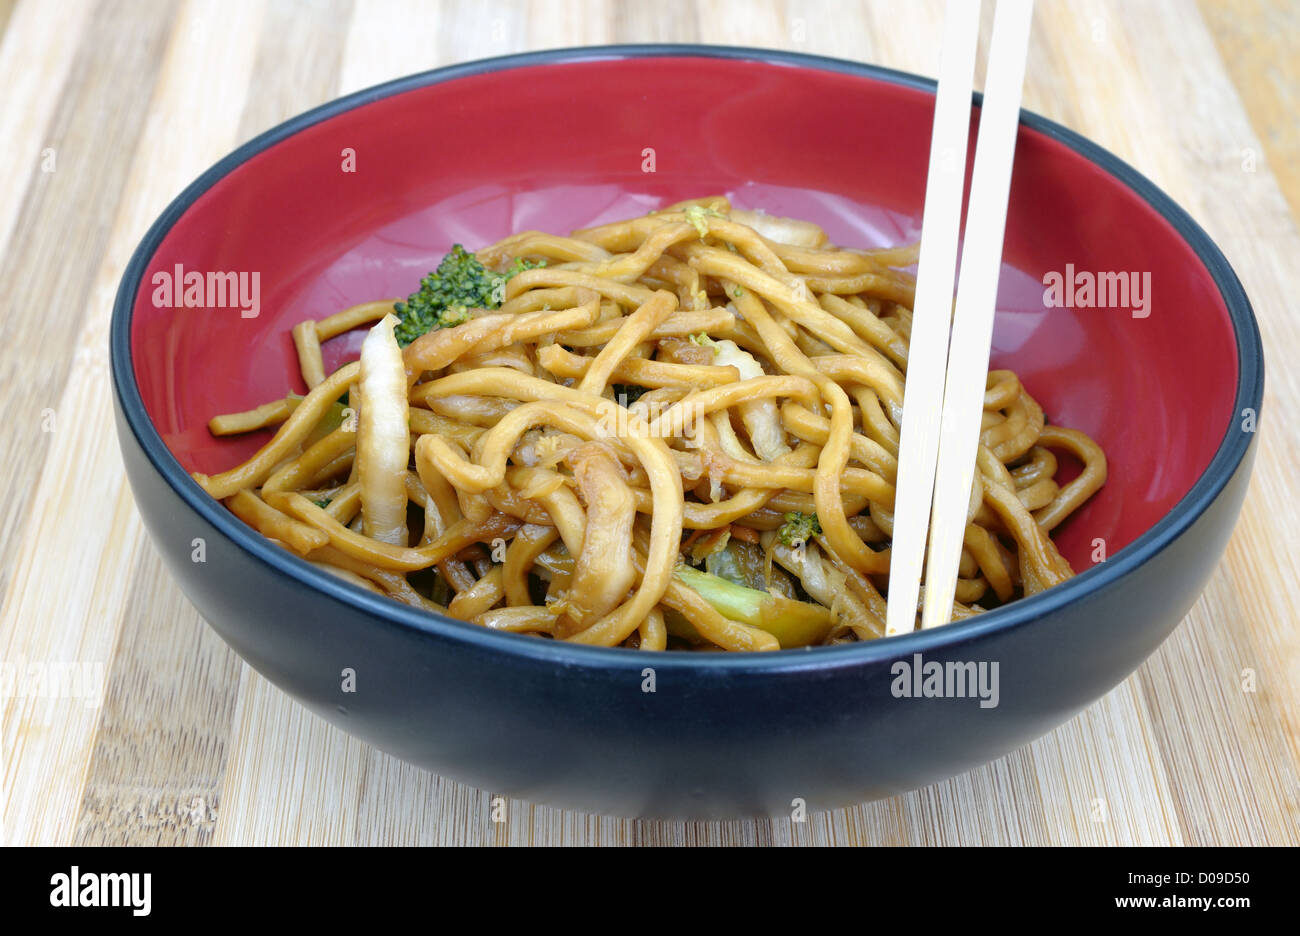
column 376, row 51
column 166, row 654
column 298, row 58
column 66, row 597
column 36, row 55
column 563, row 23
column 1259, row 44
column 667, row 21
column 6, row 10
column 1232, row 752
column 156, row 780
column 47, row 275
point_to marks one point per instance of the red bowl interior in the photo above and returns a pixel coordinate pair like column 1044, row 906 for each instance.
column 474, row 159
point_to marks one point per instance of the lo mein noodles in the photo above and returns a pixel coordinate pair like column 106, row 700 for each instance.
column 675, row 431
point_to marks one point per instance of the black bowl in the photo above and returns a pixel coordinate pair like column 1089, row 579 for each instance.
column 678, row 734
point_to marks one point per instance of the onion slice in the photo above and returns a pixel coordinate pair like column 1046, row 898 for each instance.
column 790, row 231
column 383, row 436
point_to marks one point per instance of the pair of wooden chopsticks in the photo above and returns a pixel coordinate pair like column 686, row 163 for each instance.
column 948, row 363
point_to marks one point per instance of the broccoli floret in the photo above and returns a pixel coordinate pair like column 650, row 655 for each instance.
column 459, row 284
column 798, row 528
column 323, row 502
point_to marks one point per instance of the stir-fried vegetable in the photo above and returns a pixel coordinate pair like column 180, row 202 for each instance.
column 445, row 296
column 383, row 436
column 746, row 564
column 798, row 529
column 791, row 231
column 762, row 419
column 792, row 623
column 830, row 586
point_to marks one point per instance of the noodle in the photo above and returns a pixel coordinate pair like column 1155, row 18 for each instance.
column 696, row 386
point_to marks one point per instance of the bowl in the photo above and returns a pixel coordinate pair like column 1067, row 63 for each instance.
column 356, row 199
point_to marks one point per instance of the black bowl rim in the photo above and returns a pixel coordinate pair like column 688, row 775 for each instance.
column 1230, row 453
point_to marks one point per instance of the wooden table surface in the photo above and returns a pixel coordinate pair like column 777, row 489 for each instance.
column 110, row 107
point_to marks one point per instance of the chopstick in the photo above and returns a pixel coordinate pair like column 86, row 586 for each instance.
column 977, row 289
column 927, row 359
column 936, row 469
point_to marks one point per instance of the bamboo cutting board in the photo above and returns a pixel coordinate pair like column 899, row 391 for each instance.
column 110, row 107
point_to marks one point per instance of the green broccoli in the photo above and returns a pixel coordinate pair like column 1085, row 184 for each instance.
column 798, row 529
column 323, row 502
column 459, row 284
